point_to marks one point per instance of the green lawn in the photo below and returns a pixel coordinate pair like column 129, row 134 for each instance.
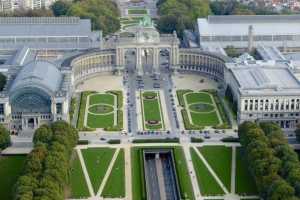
column 207, row 184
column 137, row 11
column 205, row 119
column 97, row 161
column 106, row 120
column 198, row 97
column 100, row 121
column 202, row 115
column 78, row 184
column 102, row 98
column 10, row 169
column 137, row 173
column 186, row 189
column 82, row 109
column 151, row 110
column 244, row 181
column 115, row 185
column 219, row 158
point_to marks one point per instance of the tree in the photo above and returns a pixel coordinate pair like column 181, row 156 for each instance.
column 4, row 137
column 104, row 14
column 280, row 189
column 60, row 8
column 297, row 132
column 43, row 134
column 180, row 14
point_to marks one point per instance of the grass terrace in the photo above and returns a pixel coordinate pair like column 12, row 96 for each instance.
column 10, row 169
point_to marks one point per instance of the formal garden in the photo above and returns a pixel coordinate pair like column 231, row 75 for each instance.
column 101, row 110
column 200, row 109
column 152, row 114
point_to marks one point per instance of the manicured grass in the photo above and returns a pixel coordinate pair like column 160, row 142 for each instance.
column 196, row 97
column 203, row 114
column 186, row 189
column 137, row 11
column 207, row 184
column 97, row 161
column 115, row 185
column 137, row 173
column 106, row 120
column 205, row 119
column 10, row 169
column 219, row 158
column 100, row 121
column 82, row 109
column 244, row 181
column 101, row 98
column 151, row 110
column 78, row 183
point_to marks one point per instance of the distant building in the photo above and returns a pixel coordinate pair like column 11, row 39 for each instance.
column 232, row 30
column 47, row 33
column 11, row 5
column 265, row 93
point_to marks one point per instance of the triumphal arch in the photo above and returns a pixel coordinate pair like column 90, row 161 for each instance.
column 146, row 44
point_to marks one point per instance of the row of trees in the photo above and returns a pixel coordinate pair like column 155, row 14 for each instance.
column 180, row 14
column 47, row 167
column 4, row 137
column 273, row 163
column 234, row 7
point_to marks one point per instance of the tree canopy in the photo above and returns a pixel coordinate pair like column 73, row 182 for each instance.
column 273, row 163
column 103, row 13
column 180, row 14
column 47, row 167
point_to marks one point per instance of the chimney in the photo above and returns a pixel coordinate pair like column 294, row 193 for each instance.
column 250, row 38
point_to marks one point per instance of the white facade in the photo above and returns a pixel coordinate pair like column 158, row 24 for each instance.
column 265, row 93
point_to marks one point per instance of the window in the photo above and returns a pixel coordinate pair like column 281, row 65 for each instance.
column 59, row 108
column 1, row 109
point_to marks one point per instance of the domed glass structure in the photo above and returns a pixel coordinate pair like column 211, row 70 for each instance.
column 34, row 88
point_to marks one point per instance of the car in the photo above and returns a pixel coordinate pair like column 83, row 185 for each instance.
column 207, row 137
column 102, row 139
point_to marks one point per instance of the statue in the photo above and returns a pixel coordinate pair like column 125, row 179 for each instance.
column 146, row 22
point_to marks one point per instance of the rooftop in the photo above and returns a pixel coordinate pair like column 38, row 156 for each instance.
column 263, row 79
column 239, row 24
column 44, row 26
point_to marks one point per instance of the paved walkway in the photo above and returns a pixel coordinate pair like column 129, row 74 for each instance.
column 233, row 170
column 196, row 188
column 128, row 177
column 211, row 171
